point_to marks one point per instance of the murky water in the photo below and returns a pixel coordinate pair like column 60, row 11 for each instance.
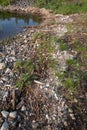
column 10, row 24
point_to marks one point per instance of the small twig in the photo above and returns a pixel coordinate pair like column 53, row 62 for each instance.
column 38, row 82
column 13, row 98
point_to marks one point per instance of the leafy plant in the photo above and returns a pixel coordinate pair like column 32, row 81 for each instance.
column 39, row 63
column 63, row 6
column 70, row 84
column 25, row 80
column 62, row 46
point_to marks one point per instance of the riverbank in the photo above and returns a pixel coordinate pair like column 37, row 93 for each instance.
column 44, row 103
column 28, row 10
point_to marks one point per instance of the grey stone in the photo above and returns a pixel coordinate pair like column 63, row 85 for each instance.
column 5, row 96
column 23, row 108
column 5, row 114
column 34, row 124
column 4, row 126
column 13, row 114
column 72, row 116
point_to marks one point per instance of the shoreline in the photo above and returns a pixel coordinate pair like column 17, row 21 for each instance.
column 43, row 13
column 53, row 110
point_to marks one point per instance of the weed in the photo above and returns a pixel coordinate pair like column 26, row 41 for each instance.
column 70, row 84
column 62, row 46
column 63, row 6
column 25, row 80
column 39, row 63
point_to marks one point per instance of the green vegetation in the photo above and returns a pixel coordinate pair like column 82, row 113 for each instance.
column 37, row 66
column 62, row 45
column 75, row 75
column 5, row 2
column 63, row 6
column 26, row 69
column 57, row 6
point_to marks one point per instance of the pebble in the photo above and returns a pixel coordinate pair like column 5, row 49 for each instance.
column 34, row 124
column 75, row 100
column 65, row 123
column 5, row 95
column 4, row 126
column 72, row 116
column 13, row 114
column 23, row 108
column 70, row 110
column 2, row 66
column 8, row 71
column 5, row 114
column 25, row 41
column 13, row 52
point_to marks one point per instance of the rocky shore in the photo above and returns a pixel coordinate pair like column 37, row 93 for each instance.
column 41, row 107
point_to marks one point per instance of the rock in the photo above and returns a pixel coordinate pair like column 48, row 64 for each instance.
column 5, row 78
column 12, row 58
column 2, row 66
column 75, row 100
column 65, row 123
column 25, row 41
column 20, row 104
column 13, row 114
column 63, row 103
column 24, row 36
column 9, row 72
column 72, row 116
column 34, row 124
column 13, row 52
column 47, row 117
column 70, row 110
column 47, row 85
column 23, row 108
column 5, row 114
column 5, row 95
column 4, row 126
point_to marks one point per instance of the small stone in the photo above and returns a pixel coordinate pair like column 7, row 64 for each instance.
column 47, row 117
column 23, row 108
column 25, row 41
column 65, row 123
column 13, row 52
column 72, row 116
column 5, row 95
column 24, row 36
column 70, row 110
column 47, row 85
column 5, row 78
column 4, row 126
column 63, row 103
column 13, row 114
column 20, row 104
column 75, row 100
column 2, row 66
column 34, row 124
column 5, row 114
column 8, row 70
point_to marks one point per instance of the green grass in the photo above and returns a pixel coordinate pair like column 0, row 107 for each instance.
column 57, row 6
column 64, row 6
column 5, row 2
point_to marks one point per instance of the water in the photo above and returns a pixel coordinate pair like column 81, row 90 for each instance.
column 11, row 24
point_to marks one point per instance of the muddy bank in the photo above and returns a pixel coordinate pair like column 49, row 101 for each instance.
column 43, row 13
